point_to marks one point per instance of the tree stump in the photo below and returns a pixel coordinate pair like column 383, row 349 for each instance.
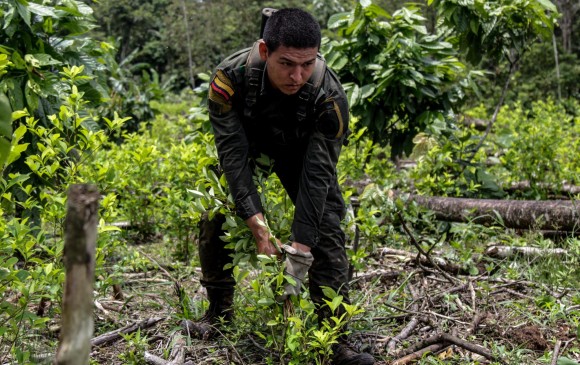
column 79, row 258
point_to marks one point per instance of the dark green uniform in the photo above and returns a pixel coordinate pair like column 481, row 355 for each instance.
column 303, row 135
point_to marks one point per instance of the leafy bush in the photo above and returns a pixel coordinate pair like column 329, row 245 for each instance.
column 538, row 145
column 39, row 40
column 446, row 165
column 31, row 270
column 399, row 78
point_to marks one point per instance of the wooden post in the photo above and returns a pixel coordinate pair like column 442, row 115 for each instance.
column 79, row 259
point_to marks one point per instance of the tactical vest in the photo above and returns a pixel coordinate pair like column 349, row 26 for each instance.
column 307, row 95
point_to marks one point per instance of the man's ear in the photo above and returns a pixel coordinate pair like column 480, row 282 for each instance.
column 263, row 50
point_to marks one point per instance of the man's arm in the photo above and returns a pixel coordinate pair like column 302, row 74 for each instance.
column 233, row 151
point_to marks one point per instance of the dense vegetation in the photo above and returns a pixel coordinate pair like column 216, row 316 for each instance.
column 98, row 93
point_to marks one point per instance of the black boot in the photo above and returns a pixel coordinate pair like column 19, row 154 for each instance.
column 344, row 354
column 220, row 312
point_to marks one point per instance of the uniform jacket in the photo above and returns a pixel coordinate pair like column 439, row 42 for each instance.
column 270, row 125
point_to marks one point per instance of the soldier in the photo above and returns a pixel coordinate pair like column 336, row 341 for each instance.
column 279, row 99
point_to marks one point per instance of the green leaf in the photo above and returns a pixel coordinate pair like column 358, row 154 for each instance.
column 367, row 90
column 337, row 20
column 108, row 229
column 4, row 151
column 22, row 275
column 365, row 3
column 24, row 12
column 196, row 193
column 378, row 11
column 566, row 361
column 41, row 10
column 45, row 59
column 5, row 117
column 550, row 7
column 420, row 29
column 5, row 129
column 19, row 133
column 16, row 151
column 19, row 114
column 354, row 95
column 31, row 99
column 266, row 302
column 329, row 292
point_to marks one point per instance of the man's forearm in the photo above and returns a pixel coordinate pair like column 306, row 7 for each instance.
column 300, row 247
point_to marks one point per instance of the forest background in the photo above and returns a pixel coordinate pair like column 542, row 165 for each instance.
column 465, row 99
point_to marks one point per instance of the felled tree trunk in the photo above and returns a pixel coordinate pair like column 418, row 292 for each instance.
column 560, row 215
column 552, row 188
column 79, row 259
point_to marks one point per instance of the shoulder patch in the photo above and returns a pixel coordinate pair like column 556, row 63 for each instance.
column 221, row 91
column 330, row 121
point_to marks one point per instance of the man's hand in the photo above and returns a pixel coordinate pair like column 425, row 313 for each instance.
column 266, row 247
column 263, row 238
column 298, row 261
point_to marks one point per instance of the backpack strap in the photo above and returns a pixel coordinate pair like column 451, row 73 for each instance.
column 309, row 91
column 255, row 70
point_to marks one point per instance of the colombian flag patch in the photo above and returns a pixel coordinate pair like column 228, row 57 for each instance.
column 221, row 90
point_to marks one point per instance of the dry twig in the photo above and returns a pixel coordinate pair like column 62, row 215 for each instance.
column 118, row 333
column 445, row 338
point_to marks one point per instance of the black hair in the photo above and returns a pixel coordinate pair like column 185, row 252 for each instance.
column 291, row 27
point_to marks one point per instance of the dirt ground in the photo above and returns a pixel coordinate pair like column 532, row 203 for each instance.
column 482, row 319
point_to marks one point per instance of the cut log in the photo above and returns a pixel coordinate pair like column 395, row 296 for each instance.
column 503, row 252
column 79, row 260
column 564, row 189
column 559, row 215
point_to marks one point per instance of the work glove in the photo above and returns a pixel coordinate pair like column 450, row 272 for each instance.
column 297, row 264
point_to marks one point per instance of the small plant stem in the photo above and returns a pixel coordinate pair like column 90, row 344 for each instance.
column 414, row 242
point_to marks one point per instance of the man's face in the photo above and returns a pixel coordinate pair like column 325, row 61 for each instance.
column 289, row 68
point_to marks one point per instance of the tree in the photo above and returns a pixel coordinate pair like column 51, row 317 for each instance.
column 499, row 30
column 568, row 9
column 42, row 44
column 135, row 26
column 39, row 41
column 400, row 79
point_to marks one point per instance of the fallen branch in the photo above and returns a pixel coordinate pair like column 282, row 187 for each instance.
column 420, row 353
column 443, row 264
column 409, row 328
column 177, row 356
column 446, row 339
column 118, row 333
column 383, row 274
column 503, row 252
column 551, row 188
column 556, row 352
column 154, row 360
